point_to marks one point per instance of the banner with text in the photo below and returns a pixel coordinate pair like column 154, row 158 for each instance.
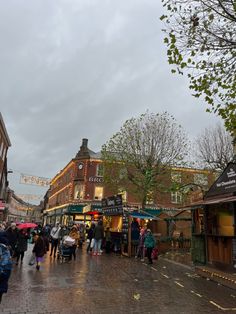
column 30, row 197
column 34, row 180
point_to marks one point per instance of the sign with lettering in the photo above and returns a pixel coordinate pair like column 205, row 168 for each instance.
column 226, row 183
column 34, row 180
column 112, row 205
column 95, row 179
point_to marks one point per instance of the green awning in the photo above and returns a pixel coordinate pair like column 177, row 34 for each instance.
column 75, row 209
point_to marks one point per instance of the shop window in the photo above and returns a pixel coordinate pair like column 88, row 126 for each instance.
column 220, row 221
column 100, row 170
column 176, row 197
column 79, row 191
column 98, row 194
column 200, row 179
column 150, row 199
column 176, row 177
column 123, row 193
column 122, row 173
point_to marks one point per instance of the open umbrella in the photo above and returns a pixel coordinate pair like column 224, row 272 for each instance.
column 26, row 225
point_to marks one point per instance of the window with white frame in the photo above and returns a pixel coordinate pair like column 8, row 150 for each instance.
column 98, row 193
column 176, row 197
column 200, row 179
column 176, row 177
column 100, row 170
column 150, row 198
column 79, row 191
column 123, row 193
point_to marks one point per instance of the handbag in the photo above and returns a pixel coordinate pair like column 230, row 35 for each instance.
column 92, row 243
column 32, row 260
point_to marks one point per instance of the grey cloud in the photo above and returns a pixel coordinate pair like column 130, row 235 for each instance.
column 72, row 69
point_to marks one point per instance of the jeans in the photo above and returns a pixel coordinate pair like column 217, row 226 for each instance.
column 54, row 245
column 97, row 246
column 19, row 255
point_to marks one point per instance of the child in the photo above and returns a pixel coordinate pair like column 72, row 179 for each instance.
column 149, row 243
column 39, row 250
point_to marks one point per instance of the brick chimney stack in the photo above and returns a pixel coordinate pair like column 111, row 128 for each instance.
column 84, row 151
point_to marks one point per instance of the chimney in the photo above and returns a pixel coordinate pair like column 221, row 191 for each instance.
column 84, row 151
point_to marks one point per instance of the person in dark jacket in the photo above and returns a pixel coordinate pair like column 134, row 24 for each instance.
column 5, row 264
column 39, row 250
column 12, row 238
column 90, row 232
column 98, row 235
column 21, row 245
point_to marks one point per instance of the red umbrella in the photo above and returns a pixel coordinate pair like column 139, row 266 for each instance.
column 26, row 225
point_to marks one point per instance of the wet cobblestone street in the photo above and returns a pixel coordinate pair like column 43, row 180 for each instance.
column 113, row 284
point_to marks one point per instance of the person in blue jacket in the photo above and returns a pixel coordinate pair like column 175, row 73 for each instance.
column 149, row 244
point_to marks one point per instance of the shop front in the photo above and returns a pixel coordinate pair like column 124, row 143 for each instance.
column 216, row 221
column 124, row 224
column 113, row 212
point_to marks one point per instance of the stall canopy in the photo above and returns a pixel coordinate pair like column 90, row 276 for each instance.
column 142, row 216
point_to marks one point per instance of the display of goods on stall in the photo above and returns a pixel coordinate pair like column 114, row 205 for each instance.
column 125, row 227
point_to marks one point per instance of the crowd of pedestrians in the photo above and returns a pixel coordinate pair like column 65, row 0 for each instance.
column 60, row 241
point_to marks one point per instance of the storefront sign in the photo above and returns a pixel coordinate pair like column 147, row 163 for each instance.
column 112, row 205
column 226, row 183
column 95, row 179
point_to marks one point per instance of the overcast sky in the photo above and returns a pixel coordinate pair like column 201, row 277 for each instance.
column 79, row 68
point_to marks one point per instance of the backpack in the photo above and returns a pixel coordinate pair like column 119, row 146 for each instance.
column 5, row 258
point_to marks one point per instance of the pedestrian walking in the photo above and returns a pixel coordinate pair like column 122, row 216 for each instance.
column 21, row 245
column 141, row 251
column 108, row 240
column 98, row 236
column 55, row 232
column 11, row 233
column 90, row 233
column 5, row 264
column 74, row 234
column 39, row 250
column 149, row 244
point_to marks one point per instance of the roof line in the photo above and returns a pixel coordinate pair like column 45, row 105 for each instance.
column 5, row 130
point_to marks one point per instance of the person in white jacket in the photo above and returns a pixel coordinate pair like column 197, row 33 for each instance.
column 55, row 232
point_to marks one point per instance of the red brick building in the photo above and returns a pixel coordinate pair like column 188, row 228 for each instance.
column 78, row 188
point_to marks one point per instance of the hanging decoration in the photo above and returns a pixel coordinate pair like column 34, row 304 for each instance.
column 29, row 197
column 34, row 180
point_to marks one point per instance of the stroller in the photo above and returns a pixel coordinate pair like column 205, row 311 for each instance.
column 64, row 253
column 65, row 249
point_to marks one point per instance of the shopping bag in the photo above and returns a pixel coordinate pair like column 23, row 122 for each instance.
column 32, row 260
column 155, row 253
column 92, row 244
